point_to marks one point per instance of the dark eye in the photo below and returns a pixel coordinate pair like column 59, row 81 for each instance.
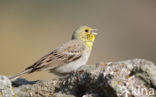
column 86, row 30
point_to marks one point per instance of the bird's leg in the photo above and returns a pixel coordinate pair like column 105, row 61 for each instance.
column 79, row 74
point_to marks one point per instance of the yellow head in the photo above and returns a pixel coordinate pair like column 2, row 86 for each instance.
column 85, row 34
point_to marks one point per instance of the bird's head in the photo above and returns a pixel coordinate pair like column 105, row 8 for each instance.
column 85, row 34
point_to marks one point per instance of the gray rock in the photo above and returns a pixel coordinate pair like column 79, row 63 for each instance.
column 5, row 87
column 135, row 78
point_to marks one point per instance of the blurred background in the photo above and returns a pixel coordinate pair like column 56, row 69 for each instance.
column 30, row 29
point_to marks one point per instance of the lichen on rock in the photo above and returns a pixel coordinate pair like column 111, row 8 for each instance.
column 112, row 79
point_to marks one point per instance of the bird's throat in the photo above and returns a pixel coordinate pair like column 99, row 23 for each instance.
column 89, row 44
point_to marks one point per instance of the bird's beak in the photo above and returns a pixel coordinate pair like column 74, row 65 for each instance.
column 93, row 31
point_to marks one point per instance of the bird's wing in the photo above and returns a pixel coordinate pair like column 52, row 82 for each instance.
column 64, row 54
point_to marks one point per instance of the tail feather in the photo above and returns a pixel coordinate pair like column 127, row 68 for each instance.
column 21, row 73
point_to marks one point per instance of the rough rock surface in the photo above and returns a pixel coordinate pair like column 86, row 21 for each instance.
column 5, row 87
column 131, row 78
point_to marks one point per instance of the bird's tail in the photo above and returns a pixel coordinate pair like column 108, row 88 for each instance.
column 21, row 73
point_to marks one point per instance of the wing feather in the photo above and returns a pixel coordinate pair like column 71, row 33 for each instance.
column 64, row 54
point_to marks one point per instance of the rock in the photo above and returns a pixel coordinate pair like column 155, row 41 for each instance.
column 131, row 78
column 135, row 78
column 5, row 87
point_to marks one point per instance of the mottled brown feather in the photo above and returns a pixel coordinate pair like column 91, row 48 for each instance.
column 68, row 52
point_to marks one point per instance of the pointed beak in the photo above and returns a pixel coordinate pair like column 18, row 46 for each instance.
column 93, row 31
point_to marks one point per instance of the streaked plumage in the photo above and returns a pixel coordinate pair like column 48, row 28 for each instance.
column 67, row 57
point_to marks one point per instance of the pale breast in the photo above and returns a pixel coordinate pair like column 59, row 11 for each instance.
column 73, row 66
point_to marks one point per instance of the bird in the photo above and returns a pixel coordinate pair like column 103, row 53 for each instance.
column 68, row 57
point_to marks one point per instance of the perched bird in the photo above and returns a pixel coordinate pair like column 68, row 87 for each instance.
column 67, row 57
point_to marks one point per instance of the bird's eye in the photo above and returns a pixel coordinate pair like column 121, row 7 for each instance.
column 86, row 30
